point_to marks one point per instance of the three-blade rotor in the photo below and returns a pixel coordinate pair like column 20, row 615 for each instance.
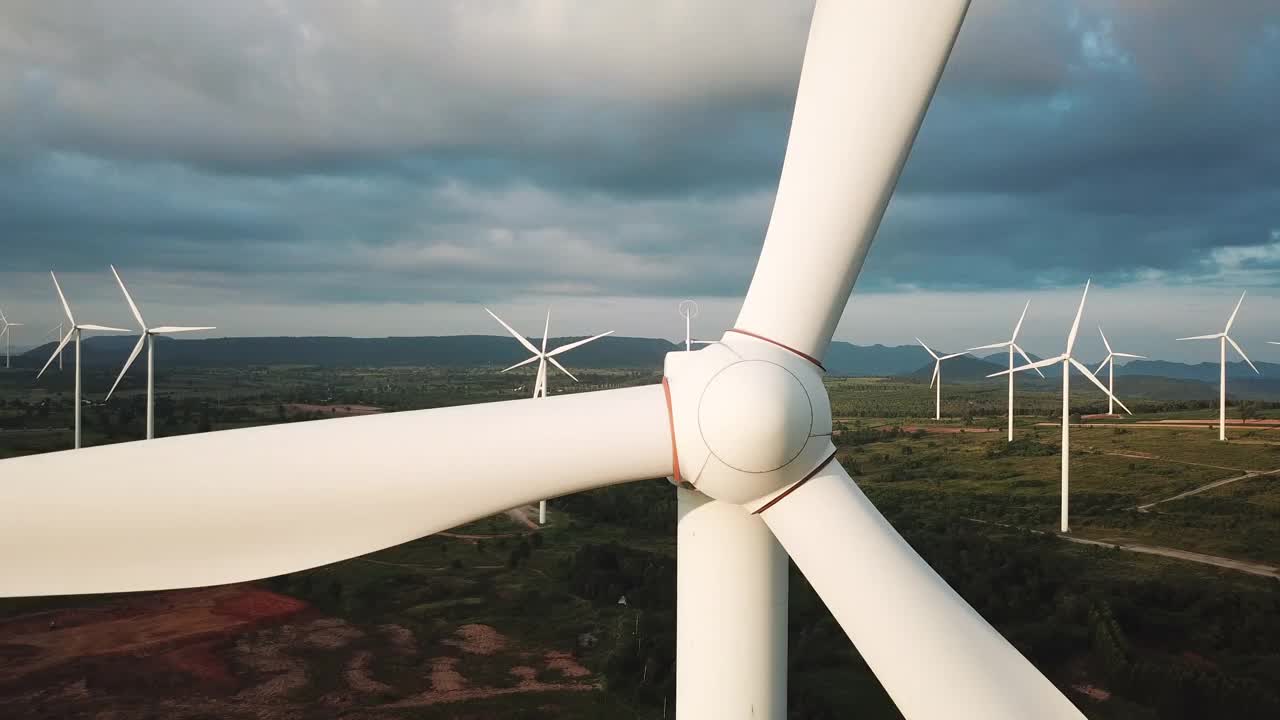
column 1225, row 336
column 1012, row 341
column 1112, row 354
column 541, row 355
column 937, row 360
column 74, row 327
column 144, row 332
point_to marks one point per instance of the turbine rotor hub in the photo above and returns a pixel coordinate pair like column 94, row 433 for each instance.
column 749, row 419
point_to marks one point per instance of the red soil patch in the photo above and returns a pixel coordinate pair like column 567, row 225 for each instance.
column 478, row 640
column 566, row 665
column 201, row 662
column 157, row 624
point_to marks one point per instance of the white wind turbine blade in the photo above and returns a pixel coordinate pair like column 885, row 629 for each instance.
column 869, row 72
column 129, row 299
column 4, row 331
column 546, row 330
column 1214, row 336
column 171, row 329
column 1085, row 371
column 523, row 341
column 142, row 340
column 1105, row 344
column 1028, row 358
column 927, row 349
column 237, row 505
column 993, row 346
column 1273, row 342
column 103, row 328
column 937, row 368
column 14, row 324
column 1231, row 320
column 1241, row 351
column 1033, row 366
column 937, row 658
column 560, row 367
column 3, row 318
column 1075, row 326
column 1103, row 364
column 1018, row 327
column 578, row 344
column 952, row 355
column 54, row 356
column 66, row 307
column 522, row 363
column 1130, row 355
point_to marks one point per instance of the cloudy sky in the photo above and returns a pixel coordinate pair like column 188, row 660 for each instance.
column 384, row 168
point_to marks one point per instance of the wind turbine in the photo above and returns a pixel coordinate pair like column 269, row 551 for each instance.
column 1012, row 344
column 543, row 357
column 1067, row 363
column 1223, row 338
column 1110, row 363
column 743, row 427
column 937, row 376
column 77, row 329
column 147, row 337
column 5, row 331
column 688, row 310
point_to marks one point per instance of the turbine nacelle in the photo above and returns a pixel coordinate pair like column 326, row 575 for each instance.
column 750, row 419
column 1225, row 336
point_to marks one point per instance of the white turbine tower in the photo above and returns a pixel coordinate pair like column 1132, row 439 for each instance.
column 688, row 311
column 936, row 380
column 77, row 329
column 1012, row 345
column 1223, row 338
column 1067, row 363
column 148, row 338
column 56, row 332
column 7, row 334
column 743, row 427
column 543, row 357
column 1110, row 363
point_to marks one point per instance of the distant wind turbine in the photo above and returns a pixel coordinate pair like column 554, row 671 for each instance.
column 688, row 310
column 937, row 376
column 1012, row 344
column 147, row 337
column 7, row 333
column 1223, row 338
column 77, row 329
column 543, row 357
column 1067, row 362
column 1110, row 363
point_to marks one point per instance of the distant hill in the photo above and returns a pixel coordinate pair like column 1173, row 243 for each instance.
column 1206, row 371
column 851, row 360
column 961, row 369
column 1142, row 378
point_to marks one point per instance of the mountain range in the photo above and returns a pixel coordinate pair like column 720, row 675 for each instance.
column 456, row 351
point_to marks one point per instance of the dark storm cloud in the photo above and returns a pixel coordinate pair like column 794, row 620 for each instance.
column 359, row 152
